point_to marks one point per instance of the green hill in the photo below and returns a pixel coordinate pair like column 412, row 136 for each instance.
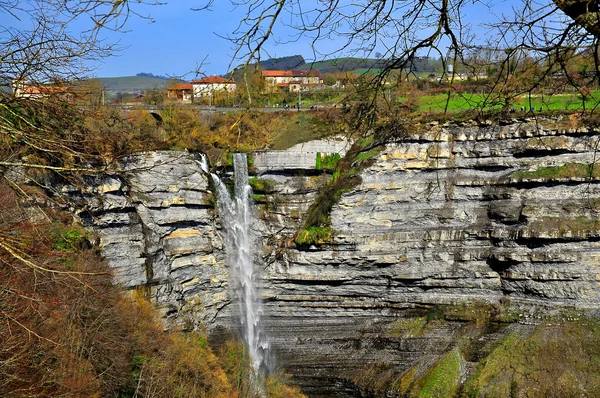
column 335, row 65
column 347, row 64
column 284, row 63
column 132, row 84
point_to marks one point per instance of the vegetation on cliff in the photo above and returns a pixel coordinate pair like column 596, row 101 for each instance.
column 66, row 330
column 566, row 171
column 555, row 359
column 490, row 355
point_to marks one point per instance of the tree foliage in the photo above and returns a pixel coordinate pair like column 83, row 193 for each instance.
column 65, row 330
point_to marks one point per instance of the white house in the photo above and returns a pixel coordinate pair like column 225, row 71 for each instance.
column 210, row 86
column 293, row 80
column 22, row 89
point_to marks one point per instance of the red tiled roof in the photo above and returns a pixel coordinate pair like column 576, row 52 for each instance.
column 277, row 73
column 181, row 86
column 43, row 90
column 213, row 80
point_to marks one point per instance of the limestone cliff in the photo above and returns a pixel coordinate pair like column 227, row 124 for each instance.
column 457, row 214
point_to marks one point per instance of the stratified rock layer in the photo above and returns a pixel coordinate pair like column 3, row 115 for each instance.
column 156, row 226
column 454, row 215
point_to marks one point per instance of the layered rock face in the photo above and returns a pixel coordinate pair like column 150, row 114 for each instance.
column 458, row 214
column 156, row 226
column 455, row 215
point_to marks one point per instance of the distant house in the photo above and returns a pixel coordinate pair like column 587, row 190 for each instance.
column 22, row 89
column 292, row 80
column 181, row 92
column 212, row 85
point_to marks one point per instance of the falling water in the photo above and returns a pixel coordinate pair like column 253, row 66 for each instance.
column 236, row 215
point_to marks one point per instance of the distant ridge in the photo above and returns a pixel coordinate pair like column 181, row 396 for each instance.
column 328, row 66
column 132, row 84
column 145, row 81
column 147, row 74
column 283, row 63
column 346, row 64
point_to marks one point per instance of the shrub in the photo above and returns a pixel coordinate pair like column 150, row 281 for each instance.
column 314, row 236
column 69, row 239
column 327, row 162
column 260, row 185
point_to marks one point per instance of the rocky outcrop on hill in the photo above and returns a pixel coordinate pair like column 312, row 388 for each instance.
column 485, row 214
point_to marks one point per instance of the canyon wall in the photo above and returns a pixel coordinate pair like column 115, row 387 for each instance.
column 452, row 214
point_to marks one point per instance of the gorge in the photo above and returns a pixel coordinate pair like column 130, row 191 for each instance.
column 453, row 223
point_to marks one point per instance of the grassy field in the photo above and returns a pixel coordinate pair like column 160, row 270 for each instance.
column 457, row 103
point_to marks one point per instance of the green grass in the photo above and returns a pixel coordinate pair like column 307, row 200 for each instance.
column 559, row 359
column 314, row 236
column 409, row 327
column 367, row 71
column 579, row 226
column 260, row 185
column 327, row 161
column 443, row 379
column 340, row 64
column 465, row 102
column 569, row 170
column 300, row 127
column 367, row 155
column 69, row 239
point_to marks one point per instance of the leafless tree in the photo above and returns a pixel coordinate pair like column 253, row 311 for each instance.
column 39, row 44
column 456, row 31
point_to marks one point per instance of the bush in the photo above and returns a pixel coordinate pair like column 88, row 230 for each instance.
column 327, row 162
column 314, row 236
column 260, row 185
column 73, row 333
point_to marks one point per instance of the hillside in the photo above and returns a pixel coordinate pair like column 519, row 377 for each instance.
column 347, row 64
column 284, row 63
column 132, row 84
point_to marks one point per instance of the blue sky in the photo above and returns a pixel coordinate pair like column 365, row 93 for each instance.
column 179, row 39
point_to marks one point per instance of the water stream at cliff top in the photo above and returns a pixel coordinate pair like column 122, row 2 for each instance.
column 237, row 215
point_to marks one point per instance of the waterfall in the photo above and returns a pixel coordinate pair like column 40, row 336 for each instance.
column 236, row 216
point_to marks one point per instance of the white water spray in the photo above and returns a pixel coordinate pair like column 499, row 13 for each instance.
column 236, row 215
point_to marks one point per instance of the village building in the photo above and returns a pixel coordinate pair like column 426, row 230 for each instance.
column 211, row 86
column 292, row 80
column 22, row 89
column 181, row 92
